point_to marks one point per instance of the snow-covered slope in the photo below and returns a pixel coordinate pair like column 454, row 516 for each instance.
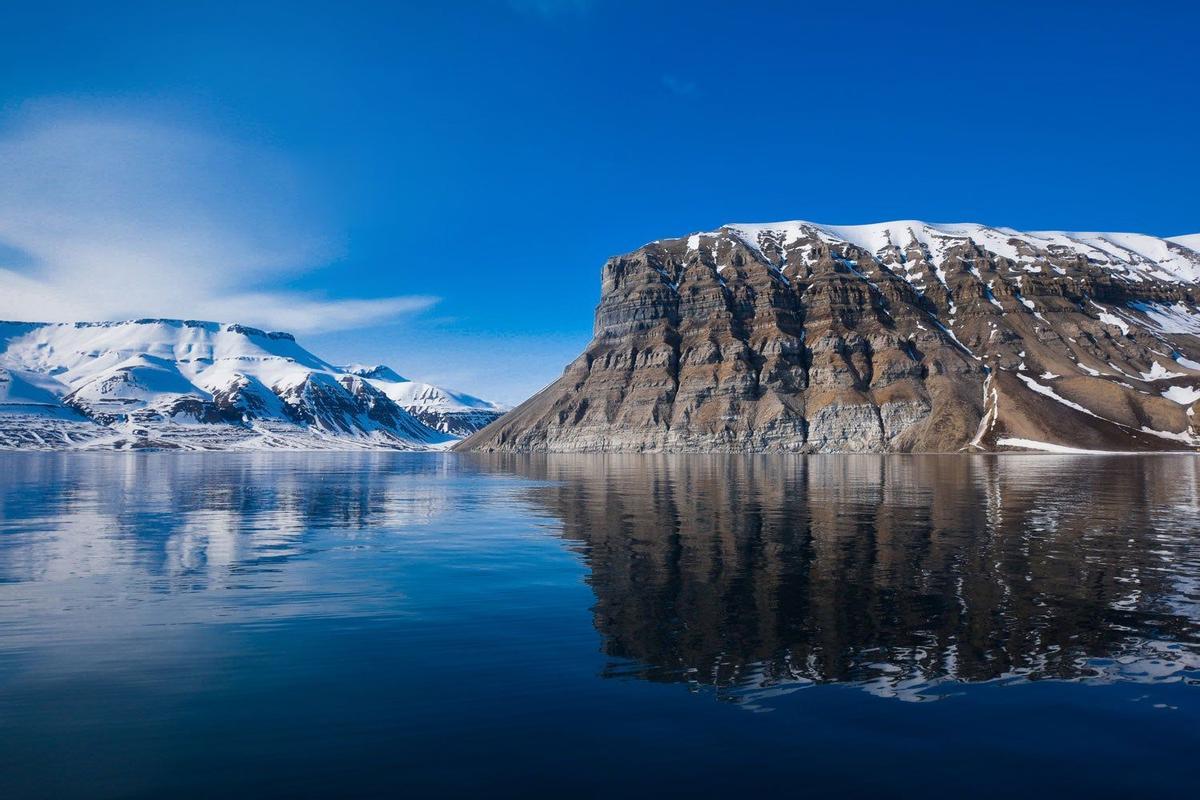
column 441, row 409
column 1191, row 241
column 1135, row 256
column 187, row 384
column 32, row 393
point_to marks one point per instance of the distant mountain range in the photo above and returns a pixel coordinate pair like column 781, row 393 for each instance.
column 899, row 336
column 184, row 384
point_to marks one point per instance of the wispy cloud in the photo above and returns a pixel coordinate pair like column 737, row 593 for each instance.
column 676, row 85
column 107, row 217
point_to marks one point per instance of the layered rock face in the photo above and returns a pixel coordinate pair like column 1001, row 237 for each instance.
column 901, row 336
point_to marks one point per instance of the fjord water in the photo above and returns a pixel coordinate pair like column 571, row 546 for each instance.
column 439, row 625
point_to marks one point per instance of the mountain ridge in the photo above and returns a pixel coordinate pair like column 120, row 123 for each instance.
column 192, row 384
column 444, row 410
column 894, row 336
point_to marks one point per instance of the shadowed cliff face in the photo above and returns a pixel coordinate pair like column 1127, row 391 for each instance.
column 894, row 574
column 796, row 338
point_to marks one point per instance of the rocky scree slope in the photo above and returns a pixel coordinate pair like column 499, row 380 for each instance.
column 900, row 336
column 158, row 383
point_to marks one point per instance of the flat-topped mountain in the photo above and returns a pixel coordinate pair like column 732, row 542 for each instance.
column 899, row 336
column 161, row 383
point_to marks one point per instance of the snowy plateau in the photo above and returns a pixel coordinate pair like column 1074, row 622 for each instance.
column 190, row 385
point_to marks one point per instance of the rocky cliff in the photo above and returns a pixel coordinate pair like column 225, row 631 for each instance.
column 902, row 336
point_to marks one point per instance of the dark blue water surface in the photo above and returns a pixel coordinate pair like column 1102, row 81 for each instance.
column 645, row 626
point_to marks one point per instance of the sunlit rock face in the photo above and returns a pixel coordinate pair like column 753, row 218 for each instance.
column 902, row 336
column 897, row 575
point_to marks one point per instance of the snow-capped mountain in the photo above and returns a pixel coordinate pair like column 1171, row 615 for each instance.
column 894, row 336
column 443, row 410
column 194, row 385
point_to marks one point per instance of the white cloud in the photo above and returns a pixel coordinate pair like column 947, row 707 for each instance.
column 300, row 313
column 103, row 217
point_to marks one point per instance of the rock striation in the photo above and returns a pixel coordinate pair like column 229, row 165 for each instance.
column 895, row 337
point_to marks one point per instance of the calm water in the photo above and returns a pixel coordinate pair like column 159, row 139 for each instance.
column 432, row 625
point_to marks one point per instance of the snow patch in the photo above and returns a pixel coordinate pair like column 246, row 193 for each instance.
column 1184, row 395
column 1177, row 318
column 1187, row 363
column 1053, row 395
column 1109, row 319
column 1048, row 447
column 1159, row 373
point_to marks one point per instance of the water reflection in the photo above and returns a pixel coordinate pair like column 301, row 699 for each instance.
column 289, row 625
column 199, row 518
column 901, row 575
column 905, row 576
column 101, row 548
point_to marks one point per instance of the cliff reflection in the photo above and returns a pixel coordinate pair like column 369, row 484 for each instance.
column 892, row 573
column 901, row 575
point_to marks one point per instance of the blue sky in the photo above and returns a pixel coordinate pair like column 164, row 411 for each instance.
column 435, row 185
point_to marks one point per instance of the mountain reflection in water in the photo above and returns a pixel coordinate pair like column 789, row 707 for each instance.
column 892, row 573
column 889, row 572
column 316, row 625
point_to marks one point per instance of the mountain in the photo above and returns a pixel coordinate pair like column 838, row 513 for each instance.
column 160, row 383
column 899, row 336
column 450, row 412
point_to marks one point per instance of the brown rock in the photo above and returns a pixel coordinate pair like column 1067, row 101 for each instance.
column 900, row 337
